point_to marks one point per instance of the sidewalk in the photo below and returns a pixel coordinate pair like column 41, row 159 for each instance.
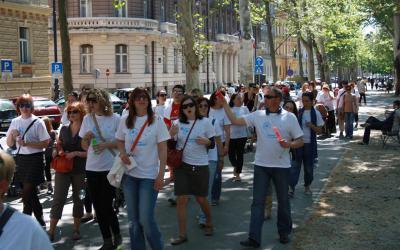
column 231, row 217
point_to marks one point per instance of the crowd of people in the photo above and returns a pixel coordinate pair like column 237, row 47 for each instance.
column 206, row 130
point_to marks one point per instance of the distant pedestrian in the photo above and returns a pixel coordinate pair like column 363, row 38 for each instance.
column 362, row 89
column 350, row 106
column 48, row 153
column 161, row 98
column 326, row 98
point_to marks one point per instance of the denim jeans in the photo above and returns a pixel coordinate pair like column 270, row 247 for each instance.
column 217, row 185
column 349, row 120
column 262, row 178
column 305, row 158
column 140, row 198
column 212, row 167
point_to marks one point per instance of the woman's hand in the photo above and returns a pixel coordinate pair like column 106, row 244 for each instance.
column 284, row 144
column 173, row 130
column 14, row 133
column 202, row 140
column 70, row 155
column 159, row 183
column 125, row 159
column 88, row 136
column 98, row 148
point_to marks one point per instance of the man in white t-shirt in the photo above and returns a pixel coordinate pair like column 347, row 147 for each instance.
column 277, row 132
column 17, row 230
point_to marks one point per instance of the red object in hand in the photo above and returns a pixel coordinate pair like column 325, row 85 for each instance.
column 278, row 135
column 219, row 95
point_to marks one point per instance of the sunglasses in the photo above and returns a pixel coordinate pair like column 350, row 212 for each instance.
column 140, row 97
column 203, row 106
column 162, row 95
column 269, row 97
column 91, row 99
column 25, row 105
column 73, row 112
column 189, row 105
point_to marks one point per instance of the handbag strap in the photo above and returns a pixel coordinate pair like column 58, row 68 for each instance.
column 187, row 138
column 23, row 136
column 7, row 213
column 100, row 135
column 139, row 135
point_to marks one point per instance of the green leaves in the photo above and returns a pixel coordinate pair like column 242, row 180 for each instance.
column 118, row 4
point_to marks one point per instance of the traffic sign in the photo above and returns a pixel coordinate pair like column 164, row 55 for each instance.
column 6, row 68
column 259, row 65
column 290, row 72
column 96, row 73
column 56, row 69
column 107, row 72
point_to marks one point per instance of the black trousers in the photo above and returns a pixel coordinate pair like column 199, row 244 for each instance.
column 47, row 168
column 330, row 123
column 373, row 123
column 362, row 95
column 102, row 194
column 236, row 151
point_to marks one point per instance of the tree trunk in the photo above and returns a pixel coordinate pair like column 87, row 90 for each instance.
column 308, row 44
column 65, row 47
column 246, row 43
column 320, row 61
column 187, row 30
column 396, row 49
column 300, row 53
column 271, row 44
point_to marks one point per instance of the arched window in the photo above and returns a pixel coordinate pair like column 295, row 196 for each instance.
column 121, row 58
column 86, row 58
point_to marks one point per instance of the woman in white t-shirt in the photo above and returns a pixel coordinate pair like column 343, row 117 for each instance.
column 29, row 134
column 100, row 158
column 238, row 136
column 161, row 97
column 145, row 179
column 304, row 88
column 191, row 178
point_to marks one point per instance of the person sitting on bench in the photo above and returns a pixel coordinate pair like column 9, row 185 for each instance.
column 388, row 124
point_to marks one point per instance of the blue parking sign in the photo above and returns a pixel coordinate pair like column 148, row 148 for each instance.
column 6, row 66
column 56, row 69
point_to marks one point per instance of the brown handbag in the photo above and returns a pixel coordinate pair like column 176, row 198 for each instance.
column 174, row 158
column 61, row 164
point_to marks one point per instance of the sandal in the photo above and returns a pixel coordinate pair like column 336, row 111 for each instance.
column 179, row 240
column 76, row 235
column 208, row 230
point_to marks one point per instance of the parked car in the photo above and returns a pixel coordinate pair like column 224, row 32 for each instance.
column 291, row 84
column 46, row 107
column 7, row 113
column 123, row 94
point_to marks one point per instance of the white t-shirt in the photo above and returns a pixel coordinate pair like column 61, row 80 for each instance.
column 326, row 100
column 146, row 150
column 340, row 99
column 159, row 110
column 64, row 118
column 108, row 126
column 299, row 96
column 213, row 153
column 236, row 130
column 36, row 133
column 22, row 232
column 194, row 154
column 306, row 129
column 125, row 112
column 221, row 119
column 269, row 152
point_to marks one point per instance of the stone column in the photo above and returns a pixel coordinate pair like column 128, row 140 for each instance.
column 219, row 68
column 226, row 63
column 232, row 68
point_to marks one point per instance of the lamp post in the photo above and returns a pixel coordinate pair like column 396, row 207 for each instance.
column 56, row 85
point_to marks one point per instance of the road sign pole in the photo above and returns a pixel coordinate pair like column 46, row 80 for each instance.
column 107, row 82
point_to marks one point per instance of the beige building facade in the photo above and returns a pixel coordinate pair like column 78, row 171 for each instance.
column 24, row 40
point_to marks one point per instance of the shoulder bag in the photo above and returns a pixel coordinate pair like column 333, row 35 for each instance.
column 61, row 164
column 117, row 171
column 174, row 158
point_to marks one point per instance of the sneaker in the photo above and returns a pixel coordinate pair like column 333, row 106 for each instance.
column 107, row 245
column 250, row 243
column 179, row 240
column 284, row 238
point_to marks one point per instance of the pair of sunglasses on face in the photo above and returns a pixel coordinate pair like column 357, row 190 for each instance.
column 73, row 112
column 269, row 97
column 188, row 105
column 25, row 105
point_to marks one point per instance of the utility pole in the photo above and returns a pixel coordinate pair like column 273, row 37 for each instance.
column 56, row 85
column 208, row 39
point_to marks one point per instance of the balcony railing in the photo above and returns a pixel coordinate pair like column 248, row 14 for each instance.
column 29, row 2
column 112, row 23
column 169, row 28
column 227, row 38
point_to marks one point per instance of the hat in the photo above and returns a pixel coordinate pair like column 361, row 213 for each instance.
column 325, row 86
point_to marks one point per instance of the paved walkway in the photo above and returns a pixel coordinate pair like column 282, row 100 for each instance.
column 231, row 217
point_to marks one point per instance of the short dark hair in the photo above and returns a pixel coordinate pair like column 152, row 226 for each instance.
column 178, row 86
column 231, row 101
column 310, row 95
column 203, row 99
column 277, row 92
column 182, row 117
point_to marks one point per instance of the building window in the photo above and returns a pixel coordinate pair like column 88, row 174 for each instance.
column 162, row 11
column 123, row 11
column 165, row 60
column 183, row 63
column 204, row 65
column 86, row 58
column 121, row 58
column 24, row 55
column 85, row 8
column 176, row 60
column 146, row 60
column 146, row 6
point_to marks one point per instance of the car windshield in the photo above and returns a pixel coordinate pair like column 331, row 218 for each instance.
column 44, row 103
column 5, row 105
column 114, row 98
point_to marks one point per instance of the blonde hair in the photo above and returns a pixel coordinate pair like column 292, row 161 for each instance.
column 7, row 167
column 47, row 122
column 103, row 98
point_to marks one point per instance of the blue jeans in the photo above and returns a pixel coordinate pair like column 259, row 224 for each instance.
column 212, row 167
column 262, row 178
column 217, row 185
column 349, row 120
column 305, row 158
column 140, row 198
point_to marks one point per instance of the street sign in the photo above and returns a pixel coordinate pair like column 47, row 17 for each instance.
column 6, row 69
column 56, row 69
column 290, row 72
column 259, row 65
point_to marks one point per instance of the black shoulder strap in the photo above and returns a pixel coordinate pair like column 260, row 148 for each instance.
column 5, row 217
column 30, row 125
